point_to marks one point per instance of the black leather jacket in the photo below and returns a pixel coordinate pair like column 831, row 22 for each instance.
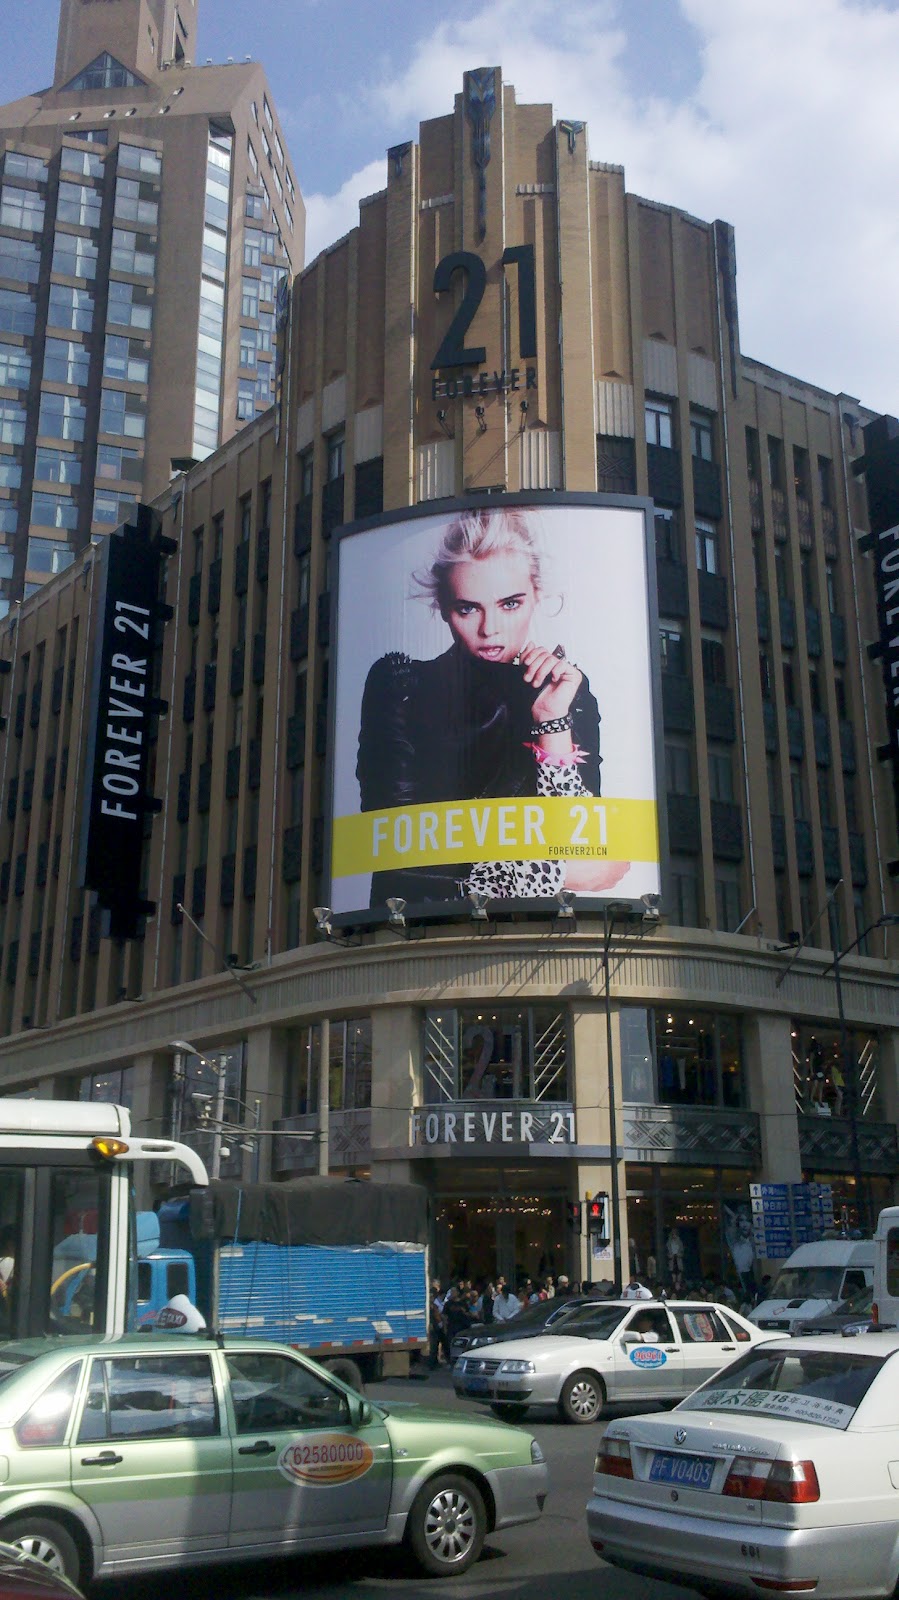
column 454, row 728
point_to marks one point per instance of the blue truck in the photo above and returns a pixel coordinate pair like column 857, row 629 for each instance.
column 336, row 1268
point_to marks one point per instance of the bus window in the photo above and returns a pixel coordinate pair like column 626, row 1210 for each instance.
column 893, row 1261
column 11, row 1185
column 79, row 1219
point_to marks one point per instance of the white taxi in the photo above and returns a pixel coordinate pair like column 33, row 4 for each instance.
column 780, row 1476
column 615, row 1350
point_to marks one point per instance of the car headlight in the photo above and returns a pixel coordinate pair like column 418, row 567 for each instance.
column 537, row 1456
column 517, row 1366
column 474, row 1344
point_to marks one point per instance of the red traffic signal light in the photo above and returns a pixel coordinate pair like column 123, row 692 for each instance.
column 598, row 1217
column 575, row 1215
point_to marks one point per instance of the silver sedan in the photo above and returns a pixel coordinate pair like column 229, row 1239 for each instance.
column 620, row 1350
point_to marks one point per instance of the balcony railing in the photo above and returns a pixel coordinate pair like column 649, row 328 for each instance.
column 693, row 1135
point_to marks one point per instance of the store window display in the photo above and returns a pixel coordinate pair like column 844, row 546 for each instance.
column 506, row 1054
column 821, row 1063
column 681, row 1056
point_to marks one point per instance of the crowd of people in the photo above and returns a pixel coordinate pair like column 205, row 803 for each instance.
column 463, row 1304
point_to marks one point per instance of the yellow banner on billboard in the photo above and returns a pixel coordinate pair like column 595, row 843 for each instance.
column 559, row 828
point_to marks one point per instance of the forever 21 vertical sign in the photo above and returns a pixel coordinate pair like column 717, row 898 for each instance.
column 123, row 706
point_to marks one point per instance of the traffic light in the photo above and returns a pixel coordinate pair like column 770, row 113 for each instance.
column 575, row 1216
column 598, row 1217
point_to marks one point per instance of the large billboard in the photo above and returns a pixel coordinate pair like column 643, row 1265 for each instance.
column 492, row 725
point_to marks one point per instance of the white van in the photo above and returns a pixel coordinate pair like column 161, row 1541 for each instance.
column 886, row 1268
column 814, row 1279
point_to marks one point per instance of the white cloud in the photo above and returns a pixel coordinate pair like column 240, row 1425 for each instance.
column 789, row 132
column 330, row 216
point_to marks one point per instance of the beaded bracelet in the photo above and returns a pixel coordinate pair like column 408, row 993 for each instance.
column 555, row 725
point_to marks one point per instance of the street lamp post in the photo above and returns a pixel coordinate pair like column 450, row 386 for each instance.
column 608, row 925
column 849, row 1066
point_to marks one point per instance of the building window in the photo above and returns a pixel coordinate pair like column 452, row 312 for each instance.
column 139, row 159
column 48, row 555
column 125, row 306
column 56, row 466
column 119, row 362
column 252, row 247
column 53, row 511
column 301, row 1085
column 753, row 454
column 17, row 312
column 701, row 435
column 249, row 297
column 122, row 413
column 21, row 208
column 660, row 423
column 249, row 340
column 349, row 1065
column 20, row 260
column 61, row 417
column 16, row 164
column 714, row 661
column 727, row 898
column 79, row 203
column 129, row 207
column 507, row 1054
column 681, row 1056
column 336, row 452
column 66, row 362
column 684, row 880
column 673, row 650
column 12, row 421
column 15, row 366
column 678, row 768
column 103, row 73
column 820, row 1069
column 825, row 482
column 707, row 547
column 115, row 461
column 721, row 776
column 74, row 256
column 84, row 163
column 112, row 508
column 246, row 399
column 667, row 530
column 131, row 252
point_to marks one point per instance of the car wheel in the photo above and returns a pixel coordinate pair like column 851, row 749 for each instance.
column 583, row 1397
column 348, row 1373
column 509, row 1411
column 447, row 1525
column 47, row 1542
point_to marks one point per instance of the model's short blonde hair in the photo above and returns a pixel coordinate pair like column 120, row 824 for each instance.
column 475, row 535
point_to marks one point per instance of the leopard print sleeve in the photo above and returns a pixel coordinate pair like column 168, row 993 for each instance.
column 531, row 880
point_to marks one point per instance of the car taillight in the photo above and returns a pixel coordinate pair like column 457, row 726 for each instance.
column 614, row 1459
column 875, row 1314
column 792, row 1483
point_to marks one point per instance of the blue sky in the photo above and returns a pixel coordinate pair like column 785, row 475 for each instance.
column 777, row 115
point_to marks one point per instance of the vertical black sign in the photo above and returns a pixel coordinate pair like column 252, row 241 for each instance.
column 880, row 466
column 129, row 614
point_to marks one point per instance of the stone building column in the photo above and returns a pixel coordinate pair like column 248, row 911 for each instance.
column 151, row 1084
column 395, row 1089
column 593, row 1174
column 769, row 1078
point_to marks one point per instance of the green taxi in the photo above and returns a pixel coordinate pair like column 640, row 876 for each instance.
column 160, row 1450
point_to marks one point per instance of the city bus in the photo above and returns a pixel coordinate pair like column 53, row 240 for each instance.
column 68, row 1227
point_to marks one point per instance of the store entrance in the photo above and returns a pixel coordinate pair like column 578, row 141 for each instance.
column 519, row 1236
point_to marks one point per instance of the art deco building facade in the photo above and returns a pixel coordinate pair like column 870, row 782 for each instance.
column 147, row 211
column 726, row 1048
